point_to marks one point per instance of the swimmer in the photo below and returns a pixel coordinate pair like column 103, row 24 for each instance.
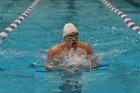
column 71, row 41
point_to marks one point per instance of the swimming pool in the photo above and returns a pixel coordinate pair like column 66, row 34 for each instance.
column 113, row 42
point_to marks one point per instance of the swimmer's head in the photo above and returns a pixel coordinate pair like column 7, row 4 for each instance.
column 69, row 28
column 70, row 35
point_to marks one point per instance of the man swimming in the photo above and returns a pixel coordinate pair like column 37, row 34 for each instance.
column 71, row 42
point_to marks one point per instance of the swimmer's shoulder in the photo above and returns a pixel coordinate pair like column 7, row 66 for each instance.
column 86, row 47
column 55, row 49
column 83, row 44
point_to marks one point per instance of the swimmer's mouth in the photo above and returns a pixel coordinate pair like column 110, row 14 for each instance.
column 74, row 44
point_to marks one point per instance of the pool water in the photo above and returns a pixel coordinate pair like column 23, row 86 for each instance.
column 116, row 46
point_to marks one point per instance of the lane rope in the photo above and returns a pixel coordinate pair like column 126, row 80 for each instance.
column 125, row 18
column 18, row 21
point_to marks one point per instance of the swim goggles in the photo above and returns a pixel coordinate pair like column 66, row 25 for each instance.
column 71, row 36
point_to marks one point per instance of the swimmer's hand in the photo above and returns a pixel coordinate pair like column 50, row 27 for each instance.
column 67, row 68
column 94, row 66
column 76, row 69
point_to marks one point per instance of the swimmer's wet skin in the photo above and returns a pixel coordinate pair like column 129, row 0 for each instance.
column 71, row 42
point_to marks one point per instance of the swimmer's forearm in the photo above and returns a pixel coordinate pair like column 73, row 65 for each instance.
column 55, row 68
column 92, row 66
column 95, row 65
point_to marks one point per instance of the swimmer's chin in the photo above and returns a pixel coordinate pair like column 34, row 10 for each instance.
column 74, row 47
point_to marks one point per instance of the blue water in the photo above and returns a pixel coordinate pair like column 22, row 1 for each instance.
column 116, row 46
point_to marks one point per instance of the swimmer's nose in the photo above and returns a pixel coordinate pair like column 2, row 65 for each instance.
column 73, row 38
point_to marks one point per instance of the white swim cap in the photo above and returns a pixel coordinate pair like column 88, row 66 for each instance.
column 69, row 28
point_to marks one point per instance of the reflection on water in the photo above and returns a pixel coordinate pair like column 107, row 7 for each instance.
column 71, row 83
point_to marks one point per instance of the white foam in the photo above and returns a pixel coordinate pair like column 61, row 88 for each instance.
column 77, row 57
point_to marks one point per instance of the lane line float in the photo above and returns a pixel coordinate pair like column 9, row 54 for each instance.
column 18, row 21
column 125, row 18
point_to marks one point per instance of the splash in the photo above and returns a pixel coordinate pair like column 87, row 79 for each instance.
column 77, row 57
column 72, row 58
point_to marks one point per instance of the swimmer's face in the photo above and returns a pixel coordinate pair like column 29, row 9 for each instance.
column 71, row 40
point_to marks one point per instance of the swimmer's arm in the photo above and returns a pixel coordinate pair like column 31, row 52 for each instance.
column 58, row 68
column 54, row 68
column 94, row 64
column 50, row 62
column 50, row 65
column 92, row 57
